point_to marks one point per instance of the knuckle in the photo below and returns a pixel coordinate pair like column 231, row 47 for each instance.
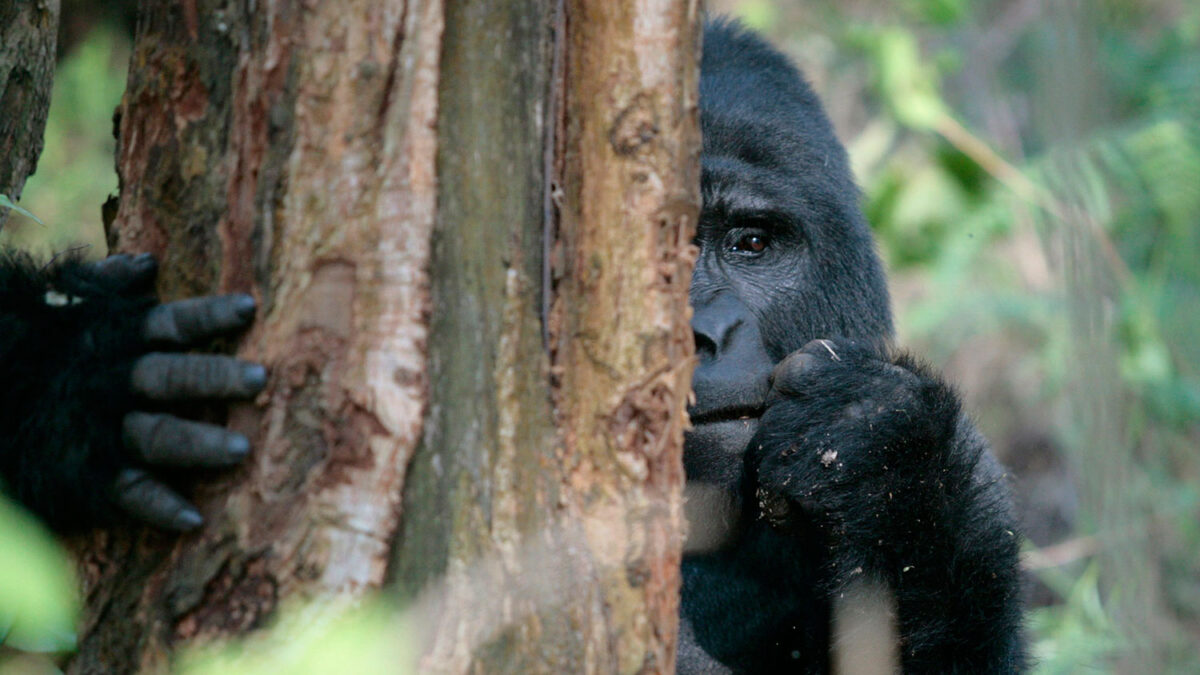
column 791, row 369
column 175, row 375
column 151, row 374
column 217, row 375
column 220, row 314
column 162, row 324
column 202, row 316
column 159, row 436
column 190, row 314
column 198, row 374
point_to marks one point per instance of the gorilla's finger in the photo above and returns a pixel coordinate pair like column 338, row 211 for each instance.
column 788, row 374
column 166, row 440
column 150, row 501
column 187, row 321
column 174, row 377
column 127, row 272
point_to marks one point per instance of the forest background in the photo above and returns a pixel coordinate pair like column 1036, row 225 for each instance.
column 1032, row 172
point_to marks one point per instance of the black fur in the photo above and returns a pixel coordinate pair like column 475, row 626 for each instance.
column 843, row 460
column 766, row 138
column 68, row 338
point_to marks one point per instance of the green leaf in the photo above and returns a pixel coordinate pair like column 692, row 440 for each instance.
column 6, row 202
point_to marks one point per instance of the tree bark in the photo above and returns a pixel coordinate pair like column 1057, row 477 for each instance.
column 288, row 152
column 28, row 34
column 520, row 333
column 621, row 334
column 542, row 516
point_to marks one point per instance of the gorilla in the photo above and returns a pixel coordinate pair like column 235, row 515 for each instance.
column 837, row 460
column 833, row 458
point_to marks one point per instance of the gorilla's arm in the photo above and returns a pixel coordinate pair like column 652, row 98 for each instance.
column 76, row 365
column 876, row 456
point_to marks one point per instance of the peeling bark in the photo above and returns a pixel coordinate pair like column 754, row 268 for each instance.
column 289, row 153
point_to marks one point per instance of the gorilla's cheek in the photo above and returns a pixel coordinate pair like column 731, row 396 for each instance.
column 712, row 451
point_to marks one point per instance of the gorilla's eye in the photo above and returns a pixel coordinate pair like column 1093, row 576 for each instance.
column 749, row 243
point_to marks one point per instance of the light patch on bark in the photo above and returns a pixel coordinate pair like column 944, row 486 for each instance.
column 383, row 216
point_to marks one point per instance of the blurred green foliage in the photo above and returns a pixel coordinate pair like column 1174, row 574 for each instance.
column 59, row 209
column 37, row 588
column 75, row 173
column 316, row 639
column 7, row 203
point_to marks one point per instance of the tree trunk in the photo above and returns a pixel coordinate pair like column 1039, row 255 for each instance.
column 620, row 327
column 28, row 33
column 520, row 333
column 288, row 152
column 542, row 515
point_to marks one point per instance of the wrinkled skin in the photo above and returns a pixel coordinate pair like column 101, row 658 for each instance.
column 833, row 458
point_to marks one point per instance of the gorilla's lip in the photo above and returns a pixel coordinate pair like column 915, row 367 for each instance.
column 727, row 414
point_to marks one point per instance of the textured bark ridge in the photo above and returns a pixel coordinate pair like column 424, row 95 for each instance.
column 542, row 525
column 28, row 33
column 287, row 152
column 621, row 343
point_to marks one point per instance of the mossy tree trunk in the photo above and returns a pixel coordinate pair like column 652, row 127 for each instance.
column 468, row 224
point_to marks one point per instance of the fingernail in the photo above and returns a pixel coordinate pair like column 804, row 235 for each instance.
column 244, row 305
column 144, row 260
column 237, row 447
column 188, row 519
column 254, row 376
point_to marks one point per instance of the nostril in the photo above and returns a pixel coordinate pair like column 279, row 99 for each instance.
column 706, row 347
column 715, row 325
column 714, row 335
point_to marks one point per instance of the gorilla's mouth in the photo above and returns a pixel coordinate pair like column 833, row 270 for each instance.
column 717, row 439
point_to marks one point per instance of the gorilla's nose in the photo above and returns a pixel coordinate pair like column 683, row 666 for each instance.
column 730, row 380
column 715, row 325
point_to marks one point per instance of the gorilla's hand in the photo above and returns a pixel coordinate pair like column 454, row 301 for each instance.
column 870, row 460
column 854, row 444
column 85, row 381
column 156, row 439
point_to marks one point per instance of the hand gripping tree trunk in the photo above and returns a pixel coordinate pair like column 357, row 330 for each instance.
column 285, row 151
column 410, row 189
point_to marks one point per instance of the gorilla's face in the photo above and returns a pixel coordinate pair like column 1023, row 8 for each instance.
column 785, row 254
column 750, row 256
